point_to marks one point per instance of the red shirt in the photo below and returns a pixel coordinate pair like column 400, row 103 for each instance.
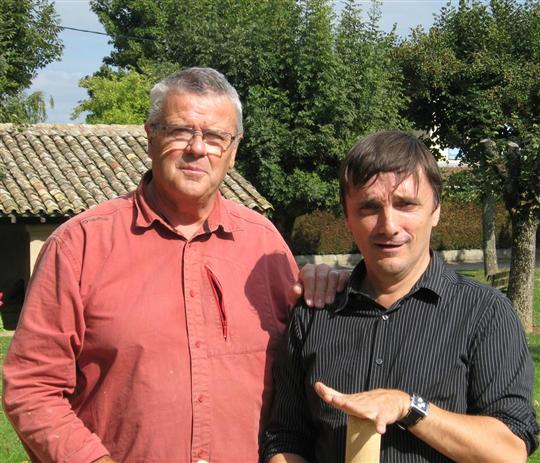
column 138, row 343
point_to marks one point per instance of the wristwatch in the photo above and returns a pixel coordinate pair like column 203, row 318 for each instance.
column 418, row 410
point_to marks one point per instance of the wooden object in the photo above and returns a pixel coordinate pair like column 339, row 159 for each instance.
column 363, row 442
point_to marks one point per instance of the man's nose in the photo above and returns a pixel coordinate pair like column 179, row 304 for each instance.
column 197, row 147
column 387, row 223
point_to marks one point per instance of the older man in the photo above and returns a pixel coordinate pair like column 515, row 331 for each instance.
column 149, row 328
column 437, row 361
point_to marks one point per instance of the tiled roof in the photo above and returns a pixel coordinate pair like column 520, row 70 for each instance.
column 61, row 170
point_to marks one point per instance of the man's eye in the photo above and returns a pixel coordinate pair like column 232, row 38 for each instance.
column 180, row 133
column 406, row 205
column 368, row 208
column 214, row 138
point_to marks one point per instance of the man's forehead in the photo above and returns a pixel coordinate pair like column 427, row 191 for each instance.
column 394, row 184
column 190, row 96
column 217, row 107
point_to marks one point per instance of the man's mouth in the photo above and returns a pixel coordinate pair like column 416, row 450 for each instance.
column 189, row 169
column 388, row 246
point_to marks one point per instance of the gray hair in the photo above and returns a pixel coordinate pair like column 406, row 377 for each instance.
column 199, row 81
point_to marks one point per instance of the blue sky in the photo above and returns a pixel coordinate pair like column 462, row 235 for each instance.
column 84, row 52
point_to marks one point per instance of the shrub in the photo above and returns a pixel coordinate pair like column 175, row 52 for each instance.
column 321, row 232
column 460, row 226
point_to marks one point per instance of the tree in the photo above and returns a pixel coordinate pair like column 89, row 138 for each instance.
column 310, row 84
column 120, row 97
column 28, row 42
column 22, row 108
column 473, row 77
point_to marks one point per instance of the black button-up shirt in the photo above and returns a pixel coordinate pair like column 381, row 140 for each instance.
column 451, row 340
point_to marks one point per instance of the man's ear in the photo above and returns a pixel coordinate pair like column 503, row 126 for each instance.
column 435, row 216
column 148, row 130
column 346, row 220
column 234, row 150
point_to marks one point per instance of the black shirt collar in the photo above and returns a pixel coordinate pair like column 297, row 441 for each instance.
column 435, row 280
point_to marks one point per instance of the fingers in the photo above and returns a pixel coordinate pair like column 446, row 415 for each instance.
column 343, row 278
column 327, row 394
column 309, row 278
column 382, row 406
column 380, row 426
column 320, row 284
column 331, row 286
column 295, row 293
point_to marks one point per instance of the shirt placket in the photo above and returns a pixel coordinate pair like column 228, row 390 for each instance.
column 200, row 396
column 379, row 369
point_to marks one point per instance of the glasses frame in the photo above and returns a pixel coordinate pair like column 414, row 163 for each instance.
column 165, row 127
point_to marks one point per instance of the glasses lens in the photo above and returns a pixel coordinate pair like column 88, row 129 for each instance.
column 216, row 142
column 180, row 133
column 221, row 140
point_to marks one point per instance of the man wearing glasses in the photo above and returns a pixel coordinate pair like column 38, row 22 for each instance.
column 149, row 329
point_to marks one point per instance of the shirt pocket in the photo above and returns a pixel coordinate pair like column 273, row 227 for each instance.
column 219, row 299
column 236, row 322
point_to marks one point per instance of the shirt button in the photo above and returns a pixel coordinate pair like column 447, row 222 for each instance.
column 197, row 344
column 385, row 317
column 379, row 361
column 202, row 461
column 200, row 399
column 192, row 293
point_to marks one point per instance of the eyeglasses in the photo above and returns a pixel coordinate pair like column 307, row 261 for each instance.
column 216, row 141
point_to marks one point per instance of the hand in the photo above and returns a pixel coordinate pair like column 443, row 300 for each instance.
column 382, row 406
column 319, row 283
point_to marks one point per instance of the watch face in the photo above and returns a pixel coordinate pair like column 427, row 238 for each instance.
column 420, row 404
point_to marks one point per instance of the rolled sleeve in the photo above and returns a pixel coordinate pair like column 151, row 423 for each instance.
column 40, row 367
column 502, row 373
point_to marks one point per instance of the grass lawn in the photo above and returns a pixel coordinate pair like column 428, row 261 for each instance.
column 11, row 450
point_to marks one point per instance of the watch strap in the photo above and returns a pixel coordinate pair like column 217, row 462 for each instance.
column 418, row 410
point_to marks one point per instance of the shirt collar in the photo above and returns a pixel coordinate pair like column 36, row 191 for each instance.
column 435, row 279
column 146, row 215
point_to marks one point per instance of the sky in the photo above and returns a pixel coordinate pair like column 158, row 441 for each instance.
column 84, row 52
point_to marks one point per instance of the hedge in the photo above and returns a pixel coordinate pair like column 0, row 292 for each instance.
column 460, row 227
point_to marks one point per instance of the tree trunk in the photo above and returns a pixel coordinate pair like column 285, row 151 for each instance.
column 489, row 243
column 522, row 265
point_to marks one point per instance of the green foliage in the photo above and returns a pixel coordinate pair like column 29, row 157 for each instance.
column 460, row 226
column 21, row 108
column 28, row 42
column 461, row 185
column 474, row 76
column 321, row 232
column 116, row 97
column 311, row 83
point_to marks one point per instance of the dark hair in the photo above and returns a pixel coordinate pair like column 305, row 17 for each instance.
column 388, row 151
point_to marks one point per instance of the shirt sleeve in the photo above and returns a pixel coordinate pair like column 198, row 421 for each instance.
column 282, row 272
column 501, row 372
column 290, row 428
column 40, row 367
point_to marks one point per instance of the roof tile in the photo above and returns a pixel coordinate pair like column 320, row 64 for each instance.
column 60, row 170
